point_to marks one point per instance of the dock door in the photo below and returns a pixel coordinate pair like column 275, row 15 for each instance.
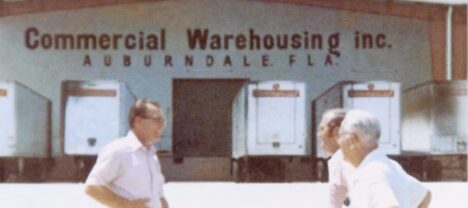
column 202, row 116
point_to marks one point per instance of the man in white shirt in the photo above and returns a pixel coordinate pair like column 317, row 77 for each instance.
column 127, row 172
column 339, row 171
column 378, row 181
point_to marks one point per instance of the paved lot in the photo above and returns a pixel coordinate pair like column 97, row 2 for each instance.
column 211, row 195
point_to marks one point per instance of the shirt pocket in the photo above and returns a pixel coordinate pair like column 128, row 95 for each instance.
column 136, row 173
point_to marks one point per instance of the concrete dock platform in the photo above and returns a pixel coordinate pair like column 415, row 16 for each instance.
column 211, row 195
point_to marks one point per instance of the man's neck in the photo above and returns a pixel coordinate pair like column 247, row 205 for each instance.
column 334, row 149
column 140, row 138
column 361, row 155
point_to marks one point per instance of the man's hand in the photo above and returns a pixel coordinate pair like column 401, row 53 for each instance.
column 426, row 201
column 164, row 203
column 109, row 198
column 137, row 203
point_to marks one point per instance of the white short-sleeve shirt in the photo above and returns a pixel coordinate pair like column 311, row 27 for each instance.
column 381, row 182
column 339, row 175
column 130, row 170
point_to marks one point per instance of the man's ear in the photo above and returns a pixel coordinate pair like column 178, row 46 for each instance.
column 137, row 120
column 354, row 140
column 336, row 131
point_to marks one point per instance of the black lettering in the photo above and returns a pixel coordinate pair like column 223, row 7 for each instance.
column 163, row 39
column 197, row 37
column 152, row 42
column 209, row 61
column 380, row 40
column 86, row 61
column 167, row 60
column 306, row 40
column 188, row 60
column 367, row 41
column 62, row 41
column 116, row 38
column 141, row 42
column 87, row 41
column 130, row 42
column 240, row 42
column 309, row 60
column 227, row 61
column 282, row 42
column 265, row 61
column 107, row 60
column 333, row 44
column 254, row 40
column 227, row 39
column 104, row 41
column 246, row 62
column 316, row 41
column 127, row 60
column 292, row 59
column 215, row 42
column 268, row 42
column 148, row 59
column 46, row 41
column 32, row 31
column 328, row 60
column 356, row 40
column 296, row 41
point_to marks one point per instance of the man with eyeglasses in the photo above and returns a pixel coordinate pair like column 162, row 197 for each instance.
column 127, row 172
column 378, row 181
column 339, row 170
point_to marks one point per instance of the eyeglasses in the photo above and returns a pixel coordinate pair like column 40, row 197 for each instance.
column 343, row 134
column 159, row 119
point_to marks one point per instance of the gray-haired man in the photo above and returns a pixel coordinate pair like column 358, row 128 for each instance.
column 378, row 181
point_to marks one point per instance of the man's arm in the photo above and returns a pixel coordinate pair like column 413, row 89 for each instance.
column 109, row 198
column 383, row 196
column 426, row 201
column 420, row 195
column 164, row 203
column 336, row 194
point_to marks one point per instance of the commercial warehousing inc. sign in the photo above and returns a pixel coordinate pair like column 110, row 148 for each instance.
column 299, row 48
column 210, row 35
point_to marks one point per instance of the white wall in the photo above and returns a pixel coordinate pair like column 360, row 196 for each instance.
column 405, row 57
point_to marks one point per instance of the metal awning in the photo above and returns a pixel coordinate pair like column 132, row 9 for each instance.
column 448, row 2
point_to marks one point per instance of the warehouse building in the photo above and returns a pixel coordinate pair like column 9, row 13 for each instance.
column 88, row 60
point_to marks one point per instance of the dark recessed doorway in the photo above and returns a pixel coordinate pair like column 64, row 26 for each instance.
column 202, row 116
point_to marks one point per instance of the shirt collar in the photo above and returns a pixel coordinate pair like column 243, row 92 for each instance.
column 136, row 144
column 376, row 153
column 337, row 155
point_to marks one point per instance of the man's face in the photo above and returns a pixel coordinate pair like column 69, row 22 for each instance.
column 345, row 141
column 326, row 134
column 151, row 124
